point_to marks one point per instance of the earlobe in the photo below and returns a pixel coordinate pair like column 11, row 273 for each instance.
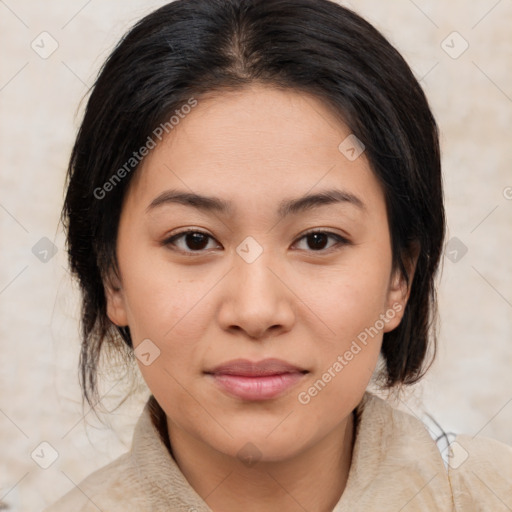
column 116, row 309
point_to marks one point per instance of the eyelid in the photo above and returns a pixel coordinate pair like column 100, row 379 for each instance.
column 325, row 231
column 341, row 239
column 168, row 241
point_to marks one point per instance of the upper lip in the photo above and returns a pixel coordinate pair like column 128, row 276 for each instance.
column 247, row 368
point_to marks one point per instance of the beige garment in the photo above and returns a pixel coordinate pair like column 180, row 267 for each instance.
column 396, row 467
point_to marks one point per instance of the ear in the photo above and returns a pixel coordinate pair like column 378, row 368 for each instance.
column 400, row 289
column 116, row 305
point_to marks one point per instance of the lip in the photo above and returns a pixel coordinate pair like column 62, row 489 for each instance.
column 246, row 368
column 261, row 380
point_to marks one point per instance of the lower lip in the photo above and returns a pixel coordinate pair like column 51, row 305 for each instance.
column 257, row 388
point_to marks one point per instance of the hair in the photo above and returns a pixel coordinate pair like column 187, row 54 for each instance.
column 189, row 48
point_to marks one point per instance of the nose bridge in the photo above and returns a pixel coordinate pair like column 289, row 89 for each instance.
column 257, row 300
column 252, row 271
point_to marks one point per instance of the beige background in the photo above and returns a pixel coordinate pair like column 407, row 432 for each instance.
column 470, row 387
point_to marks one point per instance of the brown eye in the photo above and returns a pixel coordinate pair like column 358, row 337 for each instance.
column 317, row 241
column 189, row 241
column 196, row 241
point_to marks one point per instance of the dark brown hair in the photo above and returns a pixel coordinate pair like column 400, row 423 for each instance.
column 191, row 47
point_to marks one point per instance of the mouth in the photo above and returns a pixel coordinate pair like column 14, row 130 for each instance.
column 256, row 381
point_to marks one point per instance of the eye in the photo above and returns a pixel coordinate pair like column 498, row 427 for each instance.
column 189, row 241
column 318, row 240
column 194, row 241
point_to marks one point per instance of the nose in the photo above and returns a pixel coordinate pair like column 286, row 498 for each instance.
column 256, row 299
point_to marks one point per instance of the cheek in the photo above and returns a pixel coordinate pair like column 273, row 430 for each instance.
column 351, row 297
column 346, row 358
column 172, row 309
column 348, row 301
column 161, row 299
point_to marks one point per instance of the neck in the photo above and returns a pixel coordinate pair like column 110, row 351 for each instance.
column 314, row 479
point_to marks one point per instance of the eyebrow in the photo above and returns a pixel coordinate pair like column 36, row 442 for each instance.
column 286, row 207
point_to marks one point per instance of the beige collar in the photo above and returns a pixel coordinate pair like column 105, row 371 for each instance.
column 396, row 465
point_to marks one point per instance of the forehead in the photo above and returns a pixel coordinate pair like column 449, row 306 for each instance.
column 260, row 122
column 253, row 142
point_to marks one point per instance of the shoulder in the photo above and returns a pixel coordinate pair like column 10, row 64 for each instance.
column 480, row 473
column 146, row 478
column 123, row 485
column 396, row 456
column 395, row 463
column 105, row 489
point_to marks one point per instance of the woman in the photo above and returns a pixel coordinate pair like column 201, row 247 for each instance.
column 254, row 211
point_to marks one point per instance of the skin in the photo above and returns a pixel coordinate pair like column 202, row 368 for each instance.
column 256, row 147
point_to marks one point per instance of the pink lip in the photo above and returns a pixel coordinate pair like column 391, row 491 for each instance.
column 256, row 380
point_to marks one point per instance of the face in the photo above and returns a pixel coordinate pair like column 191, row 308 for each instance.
column 289, row 258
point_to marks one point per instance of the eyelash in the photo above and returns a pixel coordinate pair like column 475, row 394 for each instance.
column 168, row 242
